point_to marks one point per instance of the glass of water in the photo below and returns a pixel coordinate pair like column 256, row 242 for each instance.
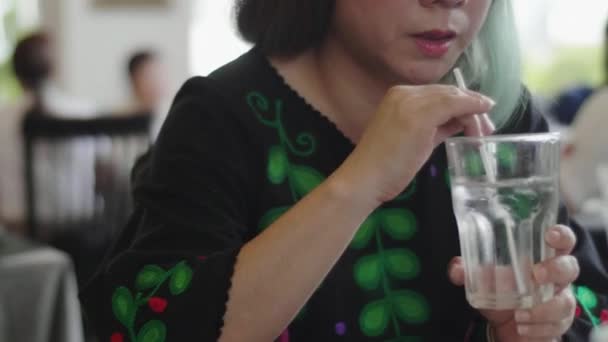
column 505, row 196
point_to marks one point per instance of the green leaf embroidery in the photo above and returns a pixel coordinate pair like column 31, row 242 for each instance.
column 410, row 307
column 402, row 263
column 374, row 318
column 271, row 216
column 180, row 279
column 586, row 297
column 521, row 203
column 365, row 233
column 474, row 165
column 304, row 179
column 368, row 272
column 506, row 154
column 123, row 306
column 399, row 224
column 153, row 331
column 149, row 277
column 278, row 164
column 261, row 106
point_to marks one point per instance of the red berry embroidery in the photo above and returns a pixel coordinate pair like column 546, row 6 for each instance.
column 117, row 337
column 157, row 304
column 604, row 316
column 578, row 311
column 201, row 257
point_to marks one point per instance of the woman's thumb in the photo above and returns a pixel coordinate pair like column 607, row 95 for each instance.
column 456, row 271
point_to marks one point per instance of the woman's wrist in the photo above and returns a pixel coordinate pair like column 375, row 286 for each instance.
column 346, row 187
column 504, row 333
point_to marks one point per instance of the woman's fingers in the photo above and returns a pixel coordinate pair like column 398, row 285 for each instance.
column 456, row 271
column 487, row 126
column 463, row 104
column 548, row 320
column 561, row 238
column 560, row 307
column 407, row 126
column 447, row 130
column 478, row 125
column 561, row 271
column 469, row 107
column 439, row 103
column 548, row 332
column 472, row 126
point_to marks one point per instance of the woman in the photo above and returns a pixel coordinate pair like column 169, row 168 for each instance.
column 265, row 170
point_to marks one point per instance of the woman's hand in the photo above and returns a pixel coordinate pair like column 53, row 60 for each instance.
column 546, row 322
column 409, row 123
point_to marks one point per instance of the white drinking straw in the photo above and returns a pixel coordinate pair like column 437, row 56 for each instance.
column 488, row 166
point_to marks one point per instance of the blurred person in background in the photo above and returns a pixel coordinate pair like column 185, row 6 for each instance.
column 34, row 65
column 149, row 87
column 567, row 105
column 587, row 147
column 49, row 299
column 148, row 81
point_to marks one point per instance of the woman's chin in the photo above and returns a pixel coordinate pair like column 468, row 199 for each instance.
column 423, row 72
column 421, row 80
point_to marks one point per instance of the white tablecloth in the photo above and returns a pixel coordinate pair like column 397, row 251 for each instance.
column 38, row 298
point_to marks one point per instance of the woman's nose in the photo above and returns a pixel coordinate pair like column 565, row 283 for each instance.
column 445, row 3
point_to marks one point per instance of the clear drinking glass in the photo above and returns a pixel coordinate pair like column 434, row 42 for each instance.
column 505, row 196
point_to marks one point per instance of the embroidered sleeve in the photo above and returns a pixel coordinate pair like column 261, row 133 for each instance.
column 170, row 302
column 169, row 277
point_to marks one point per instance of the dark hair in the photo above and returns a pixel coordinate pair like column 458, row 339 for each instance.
column 32, row 61
column 284, row 27
column 138, row 59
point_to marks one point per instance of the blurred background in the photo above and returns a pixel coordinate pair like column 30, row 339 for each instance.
column 88, row 96
column 563, row 43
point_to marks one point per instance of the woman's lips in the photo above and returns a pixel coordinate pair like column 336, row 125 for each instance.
column 434, row 43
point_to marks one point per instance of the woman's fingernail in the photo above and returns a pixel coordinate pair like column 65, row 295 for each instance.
column 553, row 236
column 522, row 316
column 490, row 101
column 522, row 329
column 541, row 274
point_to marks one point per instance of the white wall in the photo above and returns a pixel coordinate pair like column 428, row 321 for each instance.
column 95, row 43
column 214, row 40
